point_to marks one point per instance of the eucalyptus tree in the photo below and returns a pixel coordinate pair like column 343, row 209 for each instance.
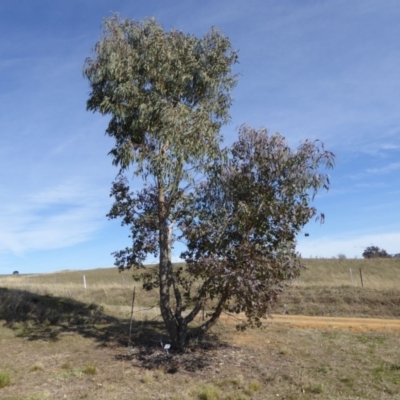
column 241, row 229
column 167, row 93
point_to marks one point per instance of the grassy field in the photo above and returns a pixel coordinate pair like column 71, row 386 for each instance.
column 376, row 273
column 325, row 288
column 60, row 340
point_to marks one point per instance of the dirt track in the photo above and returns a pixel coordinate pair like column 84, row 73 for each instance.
column 351, row 324
column 307, row 322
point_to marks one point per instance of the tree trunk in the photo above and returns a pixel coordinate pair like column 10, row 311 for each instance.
column 174, row 322
column 165, row 266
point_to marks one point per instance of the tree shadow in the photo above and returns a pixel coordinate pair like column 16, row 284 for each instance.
column 46, row 317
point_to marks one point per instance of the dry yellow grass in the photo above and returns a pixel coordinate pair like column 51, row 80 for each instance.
column 324, row 288
column 376, row 273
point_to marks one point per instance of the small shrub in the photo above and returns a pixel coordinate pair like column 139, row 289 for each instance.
column 284, row 350
column 147, row 378
column 236, row 381
column 253, row 387
column 66, row 365
column 159, row 375
column 315, row 389
column 209, row 392
column 37, row 367
column 90, row 370
column 349, row 382
column 4, row 379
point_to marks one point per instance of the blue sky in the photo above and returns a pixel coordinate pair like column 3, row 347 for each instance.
column 309, row 69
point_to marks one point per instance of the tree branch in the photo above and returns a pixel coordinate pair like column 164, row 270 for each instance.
column 198, row 331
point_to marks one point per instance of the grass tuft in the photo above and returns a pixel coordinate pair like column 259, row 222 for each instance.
column 314, row 389
column 159, row 375
column 253, row 387
column 69, row 374
column 147, row 378
column 209, row 392
column 4, row 379
column 236, row 381
column 37, row 367
column 66, row 365
column 90, row 369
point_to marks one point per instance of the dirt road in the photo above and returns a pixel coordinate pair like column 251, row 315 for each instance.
column 351, row 324
column 306, row 322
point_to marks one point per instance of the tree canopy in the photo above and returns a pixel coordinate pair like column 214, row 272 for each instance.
column 241, row 231
column 168, row 93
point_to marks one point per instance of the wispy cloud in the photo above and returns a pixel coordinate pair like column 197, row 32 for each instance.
column 383, row 170
column 390, row 146
column 60, row 216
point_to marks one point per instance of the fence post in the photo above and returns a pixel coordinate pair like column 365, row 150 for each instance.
column 84, row 281
column 132, row 309
column 351, row 277
column 362, row 283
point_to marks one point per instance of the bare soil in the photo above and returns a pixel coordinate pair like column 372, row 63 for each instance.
column 335, row 323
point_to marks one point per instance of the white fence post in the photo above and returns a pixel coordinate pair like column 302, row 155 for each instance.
column 84, row 281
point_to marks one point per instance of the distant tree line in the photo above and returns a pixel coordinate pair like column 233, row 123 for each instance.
column 376, row 252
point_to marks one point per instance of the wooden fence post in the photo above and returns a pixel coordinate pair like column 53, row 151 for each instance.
column 132, row 309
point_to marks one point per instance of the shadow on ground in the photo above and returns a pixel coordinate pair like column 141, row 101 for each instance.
column 46, row 317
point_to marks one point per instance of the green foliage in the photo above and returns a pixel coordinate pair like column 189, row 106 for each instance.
column 167, row 93
column 241, row 231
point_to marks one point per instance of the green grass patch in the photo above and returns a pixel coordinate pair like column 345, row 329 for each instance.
column 89, row 369
column 5, row 379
